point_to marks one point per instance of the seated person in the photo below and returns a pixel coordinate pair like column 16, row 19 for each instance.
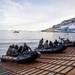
column 67, row 41
column 46, row 45
column 40, row 44
column 9, row 51
column 50, row 44
column 15, row 50
column 56, row 43
column 20, row 49
column 26, row 48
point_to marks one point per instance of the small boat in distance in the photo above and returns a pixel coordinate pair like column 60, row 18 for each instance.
column 16, row 32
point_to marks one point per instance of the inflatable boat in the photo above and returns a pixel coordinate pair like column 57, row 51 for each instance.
column 70, row 44
column 57, row 49
column 22, row 58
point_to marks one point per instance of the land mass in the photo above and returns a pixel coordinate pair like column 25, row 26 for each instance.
column 64, row 26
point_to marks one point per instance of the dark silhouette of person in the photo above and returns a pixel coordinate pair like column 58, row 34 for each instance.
column 50, row 44
column 26, row 48
column 14, row 51
column 46, row 44
column 20, row 49
column 9, row 51
column 40, row 44
column 56, row 43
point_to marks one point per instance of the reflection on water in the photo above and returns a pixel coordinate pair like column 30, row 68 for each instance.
column 31, row 38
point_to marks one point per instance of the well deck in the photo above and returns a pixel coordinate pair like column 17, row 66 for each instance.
column 48, row 64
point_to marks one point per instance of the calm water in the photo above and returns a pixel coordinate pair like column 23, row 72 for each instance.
column 31, row 38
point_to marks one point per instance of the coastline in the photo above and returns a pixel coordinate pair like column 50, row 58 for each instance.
column 57, row 32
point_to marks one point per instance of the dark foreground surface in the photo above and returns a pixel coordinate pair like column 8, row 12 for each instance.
column 4, row 72
column 48, row 64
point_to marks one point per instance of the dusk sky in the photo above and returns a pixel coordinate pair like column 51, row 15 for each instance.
column 34, row 14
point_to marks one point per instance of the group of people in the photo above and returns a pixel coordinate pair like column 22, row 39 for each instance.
column 50, row 44
column 15, row 50
column 65, row 41
column 47, row 44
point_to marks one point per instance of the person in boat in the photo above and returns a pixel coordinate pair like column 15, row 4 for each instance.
column 56, row 43
column 15, row 50
column 67, row 41
column 61, row 40
column 26, row 48
column 40, row 44
column 9, row 51
column 50, row 44
column 46, row 45
column 20, row 49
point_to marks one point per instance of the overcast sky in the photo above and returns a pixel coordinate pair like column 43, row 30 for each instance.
column 34, row 14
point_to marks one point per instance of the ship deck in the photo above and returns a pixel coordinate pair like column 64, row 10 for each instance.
column 48, row 64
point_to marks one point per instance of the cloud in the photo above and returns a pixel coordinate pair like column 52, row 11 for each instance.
column 34, row 14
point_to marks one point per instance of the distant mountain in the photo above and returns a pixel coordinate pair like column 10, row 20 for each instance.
column 64, row 26
column 48, row 30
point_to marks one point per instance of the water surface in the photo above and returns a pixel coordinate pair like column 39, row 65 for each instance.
column 31, row 38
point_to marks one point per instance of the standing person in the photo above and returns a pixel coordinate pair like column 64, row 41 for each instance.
column 46, row 45
column 61, row 40
column 26, row 48
column 40, row 44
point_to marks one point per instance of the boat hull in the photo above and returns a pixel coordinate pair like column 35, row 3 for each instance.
column 22, row 58
column 71, row 44
column 58, row 49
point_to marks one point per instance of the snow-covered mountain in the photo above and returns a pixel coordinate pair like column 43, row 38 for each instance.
column 65, row 26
